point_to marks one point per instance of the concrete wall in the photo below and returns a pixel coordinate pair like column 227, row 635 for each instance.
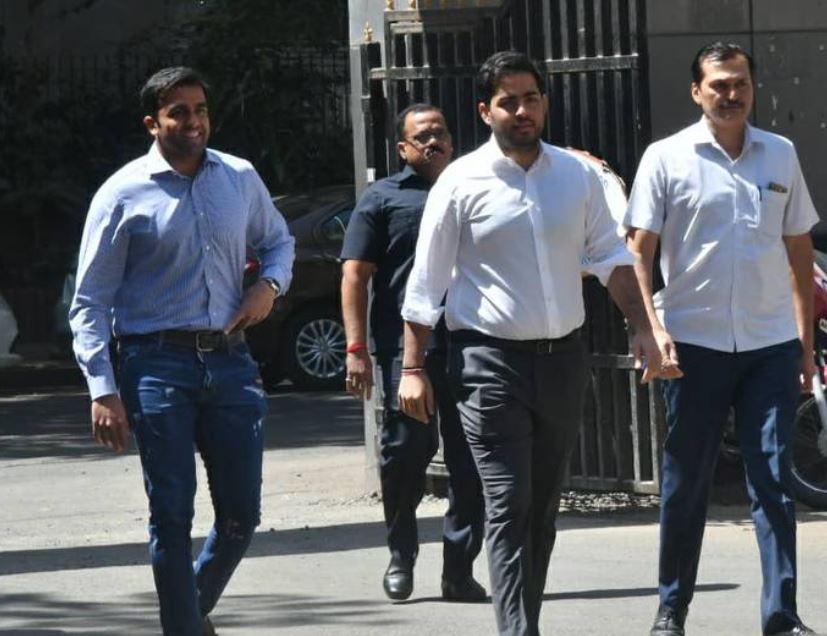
column 789, row 43
column 361, row 14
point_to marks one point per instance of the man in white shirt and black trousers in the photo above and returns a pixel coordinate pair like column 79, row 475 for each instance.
column 728, row 204
column 505, row 232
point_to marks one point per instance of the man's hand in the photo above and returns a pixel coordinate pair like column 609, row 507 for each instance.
column 109, row 424
column 255, row 306
column 808, row 370
column 655, row 352
column 416, row 396
column 359, row 377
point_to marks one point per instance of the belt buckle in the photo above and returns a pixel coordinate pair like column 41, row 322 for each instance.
column 545, row 346
column 206, row 341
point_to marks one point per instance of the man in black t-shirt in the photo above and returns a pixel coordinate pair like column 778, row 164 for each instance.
column 379, row 248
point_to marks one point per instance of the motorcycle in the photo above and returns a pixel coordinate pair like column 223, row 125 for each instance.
column 809, row 451
column 809, row 441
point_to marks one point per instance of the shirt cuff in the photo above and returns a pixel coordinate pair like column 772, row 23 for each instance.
column 603, row 270
column 279, row 275
column 422, row 315
column 100, row 385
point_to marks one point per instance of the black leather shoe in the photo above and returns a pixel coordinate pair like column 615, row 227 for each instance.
column 668, row 622
column 799, row 630
column 466, row 591
column 398, row 580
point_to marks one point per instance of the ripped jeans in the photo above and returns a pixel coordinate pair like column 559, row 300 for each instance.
column 176, row 398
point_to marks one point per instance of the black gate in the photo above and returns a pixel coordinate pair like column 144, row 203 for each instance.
column 591, row 53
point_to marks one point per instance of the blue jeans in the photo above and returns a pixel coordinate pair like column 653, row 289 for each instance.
column 762, row 387
column 176, row 397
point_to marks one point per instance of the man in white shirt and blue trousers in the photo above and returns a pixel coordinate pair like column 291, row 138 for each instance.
column 161, row 266
column 728, row 204
column 505, row 232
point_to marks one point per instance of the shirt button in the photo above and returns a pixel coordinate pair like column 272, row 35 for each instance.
column 207, row 247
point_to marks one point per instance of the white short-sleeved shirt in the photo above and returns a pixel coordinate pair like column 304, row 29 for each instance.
column 508, row 245
column 721, row 223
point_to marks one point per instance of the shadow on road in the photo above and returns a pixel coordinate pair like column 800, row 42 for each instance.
column 56, row 425
column 596, row 595
column 301, row 541
column 50, row 615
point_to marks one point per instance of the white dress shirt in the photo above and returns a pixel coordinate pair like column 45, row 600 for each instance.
column 508, row 245
column 721, row 223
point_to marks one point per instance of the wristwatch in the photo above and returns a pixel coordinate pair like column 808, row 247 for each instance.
column 273, row 285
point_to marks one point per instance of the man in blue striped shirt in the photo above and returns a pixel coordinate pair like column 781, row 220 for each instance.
column 161, row 269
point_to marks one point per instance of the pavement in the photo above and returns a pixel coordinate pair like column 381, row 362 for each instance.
column 73, row 557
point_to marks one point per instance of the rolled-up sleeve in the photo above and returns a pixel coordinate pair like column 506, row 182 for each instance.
column 647, row 202
column 800, row 215
column 100, row 272
column 604, row 249
column 269, row 235
column 435, row 257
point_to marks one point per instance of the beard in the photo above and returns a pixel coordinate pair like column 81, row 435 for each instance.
column 509, row 139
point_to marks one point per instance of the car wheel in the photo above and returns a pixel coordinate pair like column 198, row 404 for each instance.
column 315, row 349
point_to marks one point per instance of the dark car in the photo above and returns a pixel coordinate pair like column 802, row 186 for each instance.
column 304, row 339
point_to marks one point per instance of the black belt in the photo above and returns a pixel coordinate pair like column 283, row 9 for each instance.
column 544, row 345
column 198, row 340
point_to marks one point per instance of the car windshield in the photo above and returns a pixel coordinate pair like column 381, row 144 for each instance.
column 292, row 206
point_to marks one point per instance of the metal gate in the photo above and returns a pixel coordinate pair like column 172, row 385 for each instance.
column 591, row 54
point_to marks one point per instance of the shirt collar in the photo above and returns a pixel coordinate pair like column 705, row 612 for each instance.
column 157, row 164
column 499, row 159
column 701, row 134
column 409, row 174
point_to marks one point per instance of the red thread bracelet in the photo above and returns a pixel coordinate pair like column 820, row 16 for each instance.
column 356, row 347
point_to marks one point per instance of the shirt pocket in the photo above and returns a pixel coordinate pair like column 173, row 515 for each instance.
column 773, row 205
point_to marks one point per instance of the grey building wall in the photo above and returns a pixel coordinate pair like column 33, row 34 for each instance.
column 788, row 41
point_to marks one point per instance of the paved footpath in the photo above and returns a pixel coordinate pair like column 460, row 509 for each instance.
column 73, row 554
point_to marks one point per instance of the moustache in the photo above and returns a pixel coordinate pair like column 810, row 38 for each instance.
column 430, row 151
column 732, row 105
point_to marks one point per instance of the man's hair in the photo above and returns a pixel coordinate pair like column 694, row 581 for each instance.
column 156, row 87
column 718, row 52
column 501, row 64
column 413, row 109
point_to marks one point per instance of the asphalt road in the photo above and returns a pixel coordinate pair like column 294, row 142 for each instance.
column 73, row 556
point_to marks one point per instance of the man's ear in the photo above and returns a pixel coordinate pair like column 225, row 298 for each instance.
column 151, row 125
column 695, row 92
column 485, row 113
column 401, row 148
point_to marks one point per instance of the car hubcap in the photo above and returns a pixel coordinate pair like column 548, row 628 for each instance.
column 320, row 348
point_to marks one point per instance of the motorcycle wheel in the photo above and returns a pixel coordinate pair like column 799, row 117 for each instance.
column 809, row 459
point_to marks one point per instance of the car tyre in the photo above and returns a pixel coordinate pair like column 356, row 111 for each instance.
column 315, row 349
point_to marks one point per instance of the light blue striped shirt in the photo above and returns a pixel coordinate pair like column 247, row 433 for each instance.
column 161, row 250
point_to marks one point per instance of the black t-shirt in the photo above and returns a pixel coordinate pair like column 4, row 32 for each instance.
column 383, row 230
